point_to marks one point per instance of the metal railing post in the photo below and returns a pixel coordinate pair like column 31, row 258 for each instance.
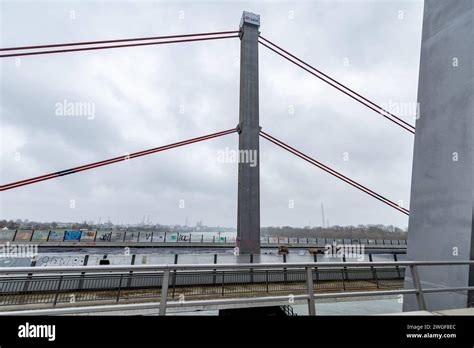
column 81, row 281
column 174, row 275
column 57, row 290
column 119, row 288
column 420, row 298
column 26, row 285
column 343, row 281
column 214, row 272
column 164, row 291
column 344, row 272
column 251, row 270
column 130, row 274
column 395, row 258
column 223, row 278
column 310, row 286
column 374, row 272
column 266, row 279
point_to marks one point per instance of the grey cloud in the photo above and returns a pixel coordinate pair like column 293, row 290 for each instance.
column 138, row 93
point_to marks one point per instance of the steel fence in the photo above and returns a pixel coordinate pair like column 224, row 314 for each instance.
column 186, row 285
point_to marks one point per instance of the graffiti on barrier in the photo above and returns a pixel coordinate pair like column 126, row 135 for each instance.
column 72, row 260
column 40, row 235
column 87, row 235
column 72, row 235
column 183, row 238
column 56, row 235
column 145, row 236
column 23, row 235
column 105, row 237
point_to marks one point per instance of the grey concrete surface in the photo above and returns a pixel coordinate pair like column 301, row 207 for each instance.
column 248, row 206
column 442, row 195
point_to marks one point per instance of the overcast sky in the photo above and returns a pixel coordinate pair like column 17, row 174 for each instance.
column 150, row 96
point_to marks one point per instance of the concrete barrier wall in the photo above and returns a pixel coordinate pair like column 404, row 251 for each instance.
column 103, row 236
column 23, row 235
column 94, row 260
column 171, row 237
column 76, row 259
column 162, row 237
column 55, row 235
column 15, row 262
column 70, row 235
column 145, row 237
column 117, row 236
column 88, row 235
column 40, row 236
column 131, row 237
column 7, row 235
column 158, row 237
column 63, row 260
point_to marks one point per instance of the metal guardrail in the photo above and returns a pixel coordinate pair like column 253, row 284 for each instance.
column 118, row 286
column 168, row 273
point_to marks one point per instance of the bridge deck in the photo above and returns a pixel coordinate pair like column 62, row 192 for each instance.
column 76, row 298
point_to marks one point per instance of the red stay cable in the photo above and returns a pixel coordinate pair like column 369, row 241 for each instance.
column 333, row 172
column 115, row 41
column 378, row 109
column 114, row 46
column 113, row 160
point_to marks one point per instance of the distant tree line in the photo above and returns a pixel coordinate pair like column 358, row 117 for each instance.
column 33, row 225
column 354, row 232
column 26, row 224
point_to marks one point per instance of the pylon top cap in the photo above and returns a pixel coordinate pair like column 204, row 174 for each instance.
column 250, row 18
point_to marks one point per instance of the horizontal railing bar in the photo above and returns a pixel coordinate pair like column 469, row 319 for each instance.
column 178, row 267
column 180, row 304
column 365, row 293
column 461, row 288
column 141, row 306
column 193, row 303
column 231, row 301
column 285, row 298
column 85, row 309
column 95, row 274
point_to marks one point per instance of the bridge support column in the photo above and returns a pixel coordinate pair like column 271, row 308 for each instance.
column 442, row 191
column 248, row 206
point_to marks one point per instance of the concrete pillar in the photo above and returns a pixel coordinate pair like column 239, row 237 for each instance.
column 442, row 194
column 248, row 207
